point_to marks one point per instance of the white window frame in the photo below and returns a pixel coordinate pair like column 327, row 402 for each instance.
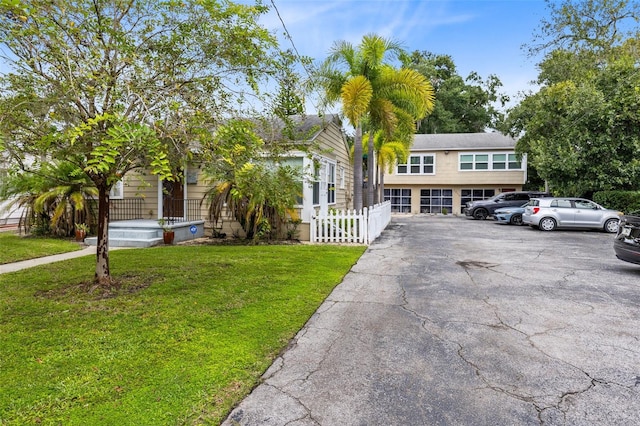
column 331, row 182
column 486, row 162
column 117, row 191
column 417, row 161
column 329, row 168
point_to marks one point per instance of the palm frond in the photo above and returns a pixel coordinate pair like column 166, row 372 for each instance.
column 356, row 95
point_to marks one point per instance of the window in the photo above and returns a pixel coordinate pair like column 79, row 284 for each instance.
column 316, row 183
column 331, row 184
column 434, row 200
column 499, row 161
column 489, row 161
column 561, row 204
column 467, row 195
column 295, row 163
column 324, row 173
column 514, row 164
column 400, row 199
column 585, row 204
column 117, row 191
column 342, row 179
column 418, row 165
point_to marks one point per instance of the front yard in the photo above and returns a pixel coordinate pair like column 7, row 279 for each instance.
column 14, row 248
column 185, row 338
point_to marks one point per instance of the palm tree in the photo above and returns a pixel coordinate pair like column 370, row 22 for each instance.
column 402, row 98
column 66, row 197
column 371, row 89
column 57, row 193
column 388, row 153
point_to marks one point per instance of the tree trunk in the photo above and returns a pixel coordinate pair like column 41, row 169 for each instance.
column 370, row 171
column 103, row 275
column 357, row 169
column 380, row 191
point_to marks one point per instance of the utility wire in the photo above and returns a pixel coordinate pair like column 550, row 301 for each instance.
column 295, row 49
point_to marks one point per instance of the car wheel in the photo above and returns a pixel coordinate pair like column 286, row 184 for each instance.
column 611, row 226
column 480, row 214
column 516, row 219
column 547, row 224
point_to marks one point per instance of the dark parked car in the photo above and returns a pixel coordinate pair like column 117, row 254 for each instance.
column 627, row 242
column 482, row 208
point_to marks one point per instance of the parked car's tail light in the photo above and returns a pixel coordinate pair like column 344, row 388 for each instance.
column 536, row 210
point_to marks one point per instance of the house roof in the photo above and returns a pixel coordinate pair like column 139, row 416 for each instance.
column 462, row 142
column 301, row 127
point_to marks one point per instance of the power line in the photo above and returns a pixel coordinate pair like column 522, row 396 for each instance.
column 295, row 49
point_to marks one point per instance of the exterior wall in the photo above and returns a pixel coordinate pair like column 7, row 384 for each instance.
column 457, row 205
column 143, row 185
column 332, row 144
column 447, row 176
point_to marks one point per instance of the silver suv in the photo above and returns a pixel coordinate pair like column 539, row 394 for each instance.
column 550, row 213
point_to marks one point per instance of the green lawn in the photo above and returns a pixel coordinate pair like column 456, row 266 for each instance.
column 14, row 248
column 186, row 337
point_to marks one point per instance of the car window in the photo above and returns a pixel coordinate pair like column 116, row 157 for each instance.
column 522, row 197
column 509, row 197
column 563, row 204
column 585, row 204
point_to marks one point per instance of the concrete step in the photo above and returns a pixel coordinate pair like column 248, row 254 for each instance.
column 136, row 234
column 127, row 242
column 147, row 233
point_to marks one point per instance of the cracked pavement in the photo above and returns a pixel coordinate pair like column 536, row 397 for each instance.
column 450, row 321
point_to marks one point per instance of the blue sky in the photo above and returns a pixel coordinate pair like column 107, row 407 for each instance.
column 480, row 35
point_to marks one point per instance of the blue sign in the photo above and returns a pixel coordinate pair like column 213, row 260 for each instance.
column 193, row 229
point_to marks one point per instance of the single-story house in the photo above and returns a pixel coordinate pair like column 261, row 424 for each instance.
column 323, row 156
column 444, row 171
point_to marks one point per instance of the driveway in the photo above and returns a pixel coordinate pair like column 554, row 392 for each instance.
column 450, row 321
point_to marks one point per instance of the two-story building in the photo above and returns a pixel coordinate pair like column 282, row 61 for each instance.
column 444, row 171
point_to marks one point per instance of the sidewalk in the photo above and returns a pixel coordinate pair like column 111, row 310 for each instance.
column 17, row 266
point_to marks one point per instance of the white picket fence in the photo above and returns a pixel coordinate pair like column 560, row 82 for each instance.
column 350, row 226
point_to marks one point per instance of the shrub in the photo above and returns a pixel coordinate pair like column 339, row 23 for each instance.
column 625, row 201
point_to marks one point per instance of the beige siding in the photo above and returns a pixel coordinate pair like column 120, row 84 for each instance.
column 447, row 176
column 331, row 144
column 145, row 186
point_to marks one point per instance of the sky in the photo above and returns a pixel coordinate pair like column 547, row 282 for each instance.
column 485, row 36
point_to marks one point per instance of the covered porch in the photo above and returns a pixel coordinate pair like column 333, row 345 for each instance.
column 131, row 222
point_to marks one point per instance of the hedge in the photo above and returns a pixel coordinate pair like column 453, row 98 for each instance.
column 625, row 201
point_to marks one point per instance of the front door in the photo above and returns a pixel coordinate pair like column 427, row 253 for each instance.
column 172, row 199
column 324, row 196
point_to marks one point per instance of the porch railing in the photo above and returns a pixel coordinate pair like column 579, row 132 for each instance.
column 181, row 210
column 126, row 209
column 174, row 209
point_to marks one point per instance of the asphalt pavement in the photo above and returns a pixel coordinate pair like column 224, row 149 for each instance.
column 450, row 321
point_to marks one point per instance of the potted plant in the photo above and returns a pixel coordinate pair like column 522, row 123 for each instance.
column 81, row 231
column 167, row 233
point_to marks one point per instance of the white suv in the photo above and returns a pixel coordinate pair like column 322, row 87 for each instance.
column 550, row 213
